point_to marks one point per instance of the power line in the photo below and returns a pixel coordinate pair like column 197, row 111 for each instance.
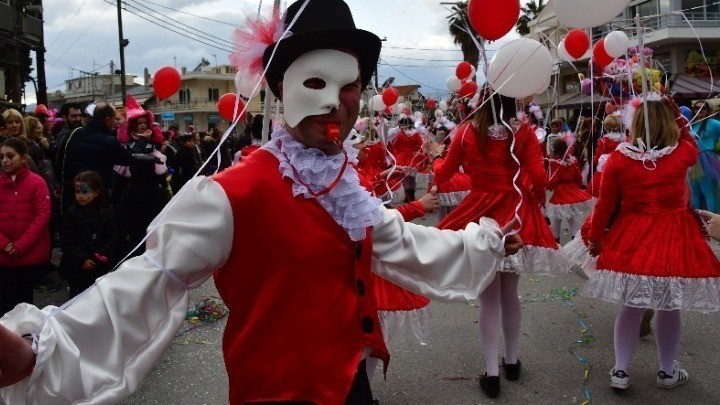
column 170, row 29
column 190, row 14
column 205, row 35
column 419, row 66
column 422, row 49
column 410, row 78
column 422, row 59
column 67, row 21
column 81, row 34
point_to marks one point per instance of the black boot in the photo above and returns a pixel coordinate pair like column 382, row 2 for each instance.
column 512, row 371
column 490, row 385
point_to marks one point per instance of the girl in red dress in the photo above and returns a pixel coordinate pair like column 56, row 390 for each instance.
column 613, row 137
column 569, row 202
column 484, row 150
column 654, row 254
column 406, row 146
column 451, row 193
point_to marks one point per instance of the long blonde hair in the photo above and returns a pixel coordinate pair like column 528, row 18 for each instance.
column 31, row 123
column 663, row 128
column 12, row 114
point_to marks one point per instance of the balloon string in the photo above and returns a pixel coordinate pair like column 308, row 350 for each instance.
column 702, row 51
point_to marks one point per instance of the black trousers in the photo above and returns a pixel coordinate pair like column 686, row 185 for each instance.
column 360, row 393
column 16, row 286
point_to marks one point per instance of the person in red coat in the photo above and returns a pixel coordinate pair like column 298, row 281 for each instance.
column 487, row 152
column 654, row 254
column 606, row 145
column 24, row 222
column 569, row 202
column 406, row 147
column 292, row 239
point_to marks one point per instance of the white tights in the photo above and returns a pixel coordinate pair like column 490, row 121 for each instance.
column 573, row 227
column 627, row 331
column 500, row 300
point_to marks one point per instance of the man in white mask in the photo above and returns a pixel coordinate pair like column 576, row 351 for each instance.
column 289, row 235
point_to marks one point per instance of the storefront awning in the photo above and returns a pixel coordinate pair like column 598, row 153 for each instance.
column 694, row 87
column 577, row 100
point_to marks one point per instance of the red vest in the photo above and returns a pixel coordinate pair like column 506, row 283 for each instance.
column 300, row 293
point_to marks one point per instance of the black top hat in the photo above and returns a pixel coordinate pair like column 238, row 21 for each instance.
column 323, row 24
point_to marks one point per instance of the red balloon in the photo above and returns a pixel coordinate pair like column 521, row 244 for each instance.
column 468, row 89
column 390, row 96
column 388, row 110
column 463, row 70
column 492, row 19
column 430, row 104
column 166, row 82
column 600, row 56
column 577, row 42
column 226, row 106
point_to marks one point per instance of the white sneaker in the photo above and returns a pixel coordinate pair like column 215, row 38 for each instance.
column 619, row 379
column 679, row 376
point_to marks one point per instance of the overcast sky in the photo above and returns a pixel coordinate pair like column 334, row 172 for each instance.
column 83, row 35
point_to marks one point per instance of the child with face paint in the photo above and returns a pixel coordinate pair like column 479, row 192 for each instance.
column 292, row 239
column 88, row 236
column 24, row 221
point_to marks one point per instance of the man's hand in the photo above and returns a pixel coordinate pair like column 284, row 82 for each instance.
column 88, row 265
column 713, row 222
column 10, row 249
column 16, row 357
column 429, row 202
column 513, row 243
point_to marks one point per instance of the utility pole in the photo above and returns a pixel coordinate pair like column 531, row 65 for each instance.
column 112, row 77
column 123, row 43
column 41, row 92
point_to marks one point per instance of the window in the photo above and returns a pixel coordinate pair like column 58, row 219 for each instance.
column 184, row 96
column 213, row 95
column 700, row 9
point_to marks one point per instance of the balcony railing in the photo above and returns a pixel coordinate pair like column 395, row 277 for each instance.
column 197, row 104
column 698, row 19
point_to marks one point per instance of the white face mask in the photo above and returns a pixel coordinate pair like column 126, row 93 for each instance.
column 334, row 68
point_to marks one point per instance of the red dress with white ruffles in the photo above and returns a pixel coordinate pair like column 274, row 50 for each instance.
column 654, row 255
column 605, row 146
column 373, row 164
column 568, row 200
column 407, row 150
column 452, row 192
column 493, row 194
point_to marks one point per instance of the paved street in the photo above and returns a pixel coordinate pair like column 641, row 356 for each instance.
column 446, row 370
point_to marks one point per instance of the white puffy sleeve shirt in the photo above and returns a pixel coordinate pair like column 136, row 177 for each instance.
column 99, row 348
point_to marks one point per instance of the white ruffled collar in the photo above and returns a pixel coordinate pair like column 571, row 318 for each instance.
column 349, row 203
column 615, row 136
column 645, row 156
column 568, row 161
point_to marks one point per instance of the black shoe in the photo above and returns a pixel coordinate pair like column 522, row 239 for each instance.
column 512, row 371
column 490, row 385
column 645, row 327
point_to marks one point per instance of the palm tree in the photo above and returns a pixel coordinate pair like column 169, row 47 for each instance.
column 458, row 21
column 531, row 11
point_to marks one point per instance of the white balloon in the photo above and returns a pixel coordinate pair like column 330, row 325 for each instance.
column 439, row 113
column 616, row 44
column 588, row 13
column 453, row 83
column 563, row 53
column 376, row 103
column 443, row 105
column 398, row 109
column 418, row 115
column 520, row 68
column 245, row 83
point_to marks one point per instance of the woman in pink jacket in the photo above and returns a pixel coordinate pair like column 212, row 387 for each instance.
column 24, row 219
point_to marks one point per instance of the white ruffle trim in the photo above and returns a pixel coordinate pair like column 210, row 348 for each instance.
column 579, row 255
column 349, row 203
column 615, row 136
column 423, row 180
column 661, row 293
column 635, row 153
column 601, row 162
column 579, row 211
column 568, row 161
column 451, row 199
column 406, row 325
column 537, row 261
